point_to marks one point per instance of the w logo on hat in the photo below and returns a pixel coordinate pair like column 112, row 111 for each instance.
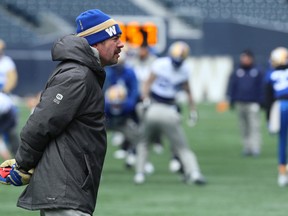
column 111, row 31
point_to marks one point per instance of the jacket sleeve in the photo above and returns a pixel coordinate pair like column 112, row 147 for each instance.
column 58, row 105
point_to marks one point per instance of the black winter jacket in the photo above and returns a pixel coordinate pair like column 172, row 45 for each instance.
column 65, row 137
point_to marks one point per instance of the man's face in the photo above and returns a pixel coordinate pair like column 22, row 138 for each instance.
column 109, row 50
column 143, row 53
column 246, row 60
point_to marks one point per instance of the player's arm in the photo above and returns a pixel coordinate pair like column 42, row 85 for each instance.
column 147, row 85
column 193, row 115
column 231, row 89
column 57, row 107
column 188, row 90
column 11, row 82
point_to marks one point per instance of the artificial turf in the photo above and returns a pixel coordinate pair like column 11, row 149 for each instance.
column 237, row 185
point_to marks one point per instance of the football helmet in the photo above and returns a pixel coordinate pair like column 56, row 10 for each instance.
column 279, row 57
column 115, row 97
column 178, row 52
column 116, row 94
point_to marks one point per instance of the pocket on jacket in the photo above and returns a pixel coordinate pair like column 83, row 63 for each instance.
column 88, row 180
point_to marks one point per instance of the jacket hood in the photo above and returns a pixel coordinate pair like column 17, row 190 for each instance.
column 72, row 47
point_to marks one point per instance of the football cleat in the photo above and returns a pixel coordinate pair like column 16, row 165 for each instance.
column 139, row 178
column 196, row 178
column 120, row 154
column 174, row 165
column 149, row 168
column 130, row 160
column 117, row 138
column 282, row 180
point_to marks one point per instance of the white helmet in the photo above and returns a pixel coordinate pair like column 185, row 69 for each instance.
column 178, row 51
column 279, row 57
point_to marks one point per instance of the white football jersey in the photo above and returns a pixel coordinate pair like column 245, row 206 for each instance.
column 142, row 68
column 168, row 78
column 6, row 103
column 6, row 65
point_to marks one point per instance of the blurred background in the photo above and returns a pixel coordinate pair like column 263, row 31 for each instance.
column 216, row 29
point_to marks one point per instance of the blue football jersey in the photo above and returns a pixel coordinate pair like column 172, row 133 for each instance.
column 278, row 79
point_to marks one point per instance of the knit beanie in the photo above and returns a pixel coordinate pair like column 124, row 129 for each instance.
column 96, row 26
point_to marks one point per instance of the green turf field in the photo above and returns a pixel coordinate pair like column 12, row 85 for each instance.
column 237, row 185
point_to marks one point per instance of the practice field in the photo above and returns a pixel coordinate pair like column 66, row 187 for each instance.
column 237, row 186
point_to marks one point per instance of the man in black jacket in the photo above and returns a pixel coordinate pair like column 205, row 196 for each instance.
column 245, row 92
column 64, row 140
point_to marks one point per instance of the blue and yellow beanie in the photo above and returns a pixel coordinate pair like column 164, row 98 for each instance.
column 96, row 26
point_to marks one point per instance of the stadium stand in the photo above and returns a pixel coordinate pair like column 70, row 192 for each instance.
column 211, row 27
column 270, row 14
column 28, row 22
column 14, row 33
column 29, row 27
column 69, row 9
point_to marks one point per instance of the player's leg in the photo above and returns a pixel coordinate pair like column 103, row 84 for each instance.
column 282, row 144
column 4, row 152
column 254, row 126
column 117, row 124
column 243, row 124
column 172, row 128
column 187, row 157
column 130, row 131
column 143, row 165
column 147, row 130
column 117, row 138
column 12, row 137
column 157, row 144
column 141, row 159
column 112, row 125
column 7, row 122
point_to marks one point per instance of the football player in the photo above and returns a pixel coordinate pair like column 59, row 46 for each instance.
column 7, row 123
column 121, row 96
column 8, row 71
column 277, row 106
column 8, row 81
column 168, row 75
column 141, row 65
